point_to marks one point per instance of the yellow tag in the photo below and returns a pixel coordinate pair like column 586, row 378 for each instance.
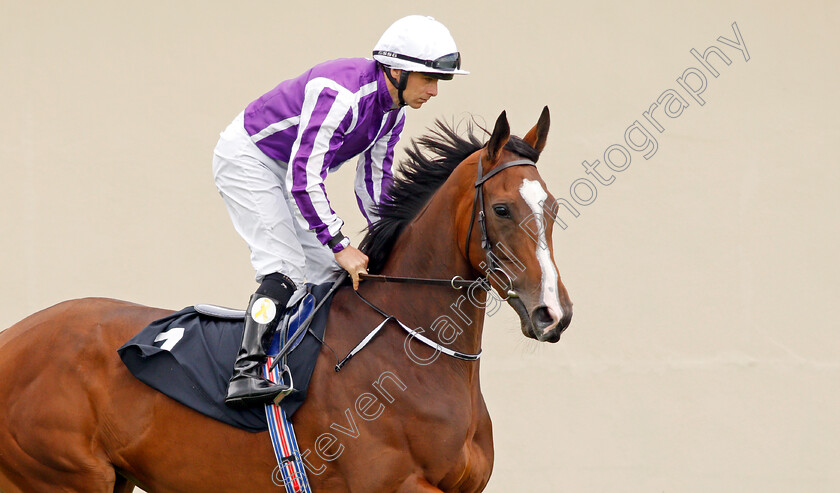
column 263, row 311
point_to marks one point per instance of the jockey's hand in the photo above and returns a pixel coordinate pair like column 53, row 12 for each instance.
column 354, row 262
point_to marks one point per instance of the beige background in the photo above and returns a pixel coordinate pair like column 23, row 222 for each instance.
column 704, row 354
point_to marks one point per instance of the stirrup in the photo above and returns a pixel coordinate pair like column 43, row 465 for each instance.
column 266, row 396
column 291, row 386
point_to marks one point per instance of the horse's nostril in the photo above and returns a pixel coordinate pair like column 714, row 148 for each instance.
column 543, row 317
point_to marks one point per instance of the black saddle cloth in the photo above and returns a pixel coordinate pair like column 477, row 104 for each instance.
column 189, row 357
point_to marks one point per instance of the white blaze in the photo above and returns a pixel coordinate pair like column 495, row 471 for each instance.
column 535, row 196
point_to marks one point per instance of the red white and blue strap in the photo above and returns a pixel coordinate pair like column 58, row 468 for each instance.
column 290, row 470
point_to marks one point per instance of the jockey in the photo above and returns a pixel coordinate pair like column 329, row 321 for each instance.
column 271, row 161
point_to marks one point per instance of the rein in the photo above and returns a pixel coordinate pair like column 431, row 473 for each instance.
column 457, row 282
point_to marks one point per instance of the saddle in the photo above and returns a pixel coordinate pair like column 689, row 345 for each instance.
column 189, row 355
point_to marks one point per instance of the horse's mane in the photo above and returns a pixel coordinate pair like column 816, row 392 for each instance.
column 422, row 175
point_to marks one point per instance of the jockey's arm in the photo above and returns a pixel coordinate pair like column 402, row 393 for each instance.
column 320, row 135
column 373, row 171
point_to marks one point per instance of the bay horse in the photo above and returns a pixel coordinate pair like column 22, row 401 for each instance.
column 399, row 417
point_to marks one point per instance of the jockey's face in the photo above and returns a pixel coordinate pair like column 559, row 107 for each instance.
column 419, row 88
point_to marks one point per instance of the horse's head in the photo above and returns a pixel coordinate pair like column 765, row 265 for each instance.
column 514, row 246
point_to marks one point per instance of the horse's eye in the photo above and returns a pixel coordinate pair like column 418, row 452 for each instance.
column 501, row 210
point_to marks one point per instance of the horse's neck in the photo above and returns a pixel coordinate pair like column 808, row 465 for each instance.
column 429, row 248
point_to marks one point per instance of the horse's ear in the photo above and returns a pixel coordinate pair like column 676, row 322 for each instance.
column 538, row 135
column 500, row 136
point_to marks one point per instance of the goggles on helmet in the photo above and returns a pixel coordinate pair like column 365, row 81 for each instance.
column 450, row 62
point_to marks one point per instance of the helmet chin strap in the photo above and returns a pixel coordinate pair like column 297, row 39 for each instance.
column 403, row 82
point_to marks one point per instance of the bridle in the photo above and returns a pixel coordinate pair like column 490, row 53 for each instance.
column 457, row 282
column 478, row 202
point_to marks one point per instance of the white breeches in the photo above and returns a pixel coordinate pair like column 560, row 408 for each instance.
column 253, row 187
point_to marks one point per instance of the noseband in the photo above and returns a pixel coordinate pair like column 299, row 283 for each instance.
column 458, row 282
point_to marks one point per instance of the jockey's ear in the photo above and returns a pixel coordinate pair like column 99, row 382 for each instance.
column 537, row 136
column 500, row 136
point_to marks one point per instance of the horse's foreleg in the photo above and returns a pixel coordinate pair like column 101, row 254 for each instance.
column 417, row 484
column 70, row 469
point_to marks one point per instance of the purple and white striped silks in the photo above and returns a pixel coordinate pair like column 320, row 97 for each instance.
column 331, row 113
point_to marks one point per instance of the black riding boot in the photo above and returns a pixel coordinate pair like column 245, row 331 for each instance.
column 247, row 386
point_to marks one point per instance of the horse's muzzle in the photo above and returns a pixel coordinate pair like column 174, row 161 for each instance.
column 548, row 325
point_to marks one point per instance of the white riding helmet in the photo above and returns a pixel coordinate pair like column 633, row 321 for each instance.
column 418, row 43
